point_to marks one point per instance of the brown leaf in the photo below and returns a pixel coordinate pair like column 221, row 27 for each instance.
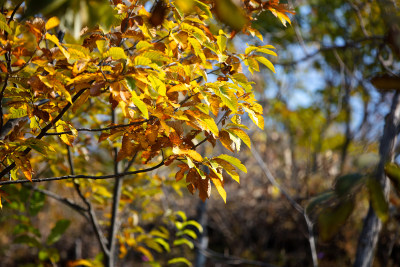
column 181, row 173
column 191, row 188
column 158, row 13
column 204, row 188
column 226, row 140
column 45, row 116
column 127, row 147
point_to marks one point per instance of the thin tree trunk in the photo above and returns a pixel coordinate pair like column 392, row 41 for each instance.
column 372, row 225
column 202, row 218
column 114, row 222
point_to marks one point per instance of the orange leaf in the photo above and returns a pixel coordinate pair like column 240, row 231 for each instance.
column 226, row 141
column 181, row 173
column 204, row 188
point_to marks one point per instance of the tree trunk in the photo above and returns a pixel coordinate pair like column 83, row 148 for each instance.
column 372, row 225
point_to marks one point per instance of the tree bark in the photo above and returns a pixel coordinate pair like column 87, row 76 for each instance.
column 372, row 225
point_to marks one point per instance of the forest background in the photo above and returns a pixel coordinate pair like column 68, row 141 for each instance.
column 314, row 171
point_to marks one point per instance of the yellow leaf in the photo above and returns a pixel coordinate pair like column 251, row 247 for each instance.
column 101, row 46
column 51, row 23
column 55, row 40
column 80, row 262
column 191, row 153
column 116, row 53
column 220, row 187
column 145, row 252
column 242, row 135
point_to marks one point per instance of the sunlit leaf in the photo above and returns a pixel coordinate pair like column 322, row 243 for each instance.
column 234, row 161
column 52, row 22
column 179, row 260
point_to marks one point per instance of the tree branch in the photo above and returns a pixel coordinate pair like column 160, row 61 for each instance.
column 112, row 233
column 80, row 176
column 101, row 129
column 81, row 210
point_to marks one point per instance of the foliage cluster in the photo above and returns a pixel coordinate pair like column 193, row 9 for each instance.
column 92, row 91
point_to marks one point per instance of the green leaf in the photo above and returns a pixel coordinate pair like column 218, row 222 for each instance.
column 234, row 161
column 28, row 240
column 392, row 170
column 57, row 231
column 346, row 184
column 319, row 200
column 179, row 260
column 40, row 146
column 36, row 202
column 331, row 219
column 378, row 200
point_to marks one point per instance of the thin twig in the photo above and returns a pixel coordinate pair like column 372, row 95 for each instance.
column 14, row 11
column 292, row 202
column 353, row 44
column 93, row 219
column 81, row 176
column 81, row 210
column 101, row 129
column 1, row 100
column 92, row 215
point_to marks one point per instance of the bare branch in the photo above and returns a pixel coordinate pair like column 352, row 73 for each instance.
column 292, row 202
column 101, row 129
column 81, row 210
column 351, row 44
column 80, row 176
